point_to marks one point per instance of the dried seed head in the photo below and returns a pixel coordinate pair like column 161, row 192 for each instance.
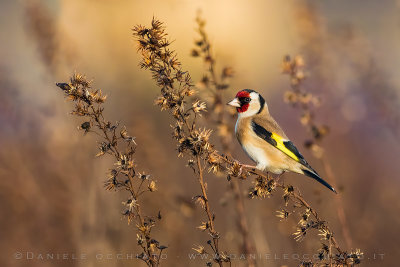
column 204, row 226
column 111, row 183
column 85, row 126
column 286, row 66
column 79, row 79
column 130, row 204
column 262, row 187
column 124, row 162
column 300, row 233
column 227, row 72
column 290, row 97
column 143, row 176
column 195, row 53
column 225, row 257
column 200, row 200
column 152, row 186
column 356, row 256
column 305, row 118
column 299, row 61
column 283, row 214
column 325, row 234
column 199, row 106
column 64, row 86
column 235, row 169
column 200, row 249
column 140, row 239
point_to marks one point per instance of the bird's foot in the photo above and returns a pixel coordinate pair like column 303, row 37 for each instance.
column 248, row 166
column 245, row 166
column 279, row 177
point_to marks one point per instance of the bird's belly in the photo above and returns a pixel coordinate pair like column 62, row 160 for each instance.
column 263, row 159
column 257, row 155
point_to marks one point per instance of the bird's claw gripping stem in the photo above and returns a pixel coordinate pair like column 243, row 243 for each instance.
column 244, row 166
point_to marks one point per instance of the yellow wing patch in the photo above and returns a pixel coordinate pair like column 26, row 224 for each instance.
column 279, row 145
column 277, row 141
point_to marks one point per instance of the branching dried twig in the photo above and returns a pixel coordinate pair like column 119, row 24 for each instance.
column 306, row 101
column 116, row 142
column 176, row 86
column 217, row 85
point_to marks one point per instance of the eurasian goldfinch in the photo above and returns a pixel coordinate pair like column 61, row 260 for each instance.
column 264, row 141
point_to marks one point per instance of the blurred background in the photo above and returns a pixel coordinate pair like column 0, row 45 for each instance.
column 51, row 185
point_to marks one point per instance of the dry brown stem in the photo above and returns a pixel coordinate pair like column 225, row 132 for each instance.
column 306, row 102
column 115, row 141
column 217, row 86
column 176, row 87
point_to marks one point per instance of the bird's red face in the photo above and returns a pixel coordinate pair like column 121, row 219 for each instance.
column 244, row 100
column 248, row 102
column 241, row 101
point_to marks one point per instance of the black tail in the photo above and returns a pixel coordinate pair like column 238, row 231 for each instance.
column 315, row 175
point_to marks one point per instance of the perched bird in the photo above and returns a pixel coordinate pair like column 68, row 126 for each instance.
column 264, row 141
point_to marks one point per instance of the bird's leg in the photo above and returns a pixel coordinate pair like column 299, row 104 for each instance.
column 279, row 177
column 245, row 166
column 248, row 166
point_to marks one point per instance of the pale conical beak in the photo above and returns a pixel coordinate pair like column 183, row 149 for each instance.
column 234, row 103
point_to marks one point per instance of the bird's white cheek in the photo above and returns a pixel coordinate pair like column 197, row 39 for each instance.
column 251, row 111
column 247, row 113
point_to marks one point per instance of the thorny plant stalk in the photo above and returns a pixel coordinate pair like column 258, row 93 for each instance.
column 330, row 253
column 217, row 85
column 206, row 206
column 115, row 141
column 306, row 101
column 176, row 86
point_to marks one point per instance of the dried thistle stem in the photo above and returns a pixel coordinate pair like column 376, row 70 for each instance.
column 217, row 85
column 176, row 85
column 341, row 257
column 305, row 101
column 88, row 105
column 213, row 233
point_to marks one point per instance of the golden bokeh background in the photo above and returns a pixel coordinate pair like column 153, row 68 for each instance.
column 51, row 185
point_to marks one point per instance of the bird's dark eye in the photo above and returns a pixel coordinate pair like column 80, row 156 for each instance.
column 244, row 100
